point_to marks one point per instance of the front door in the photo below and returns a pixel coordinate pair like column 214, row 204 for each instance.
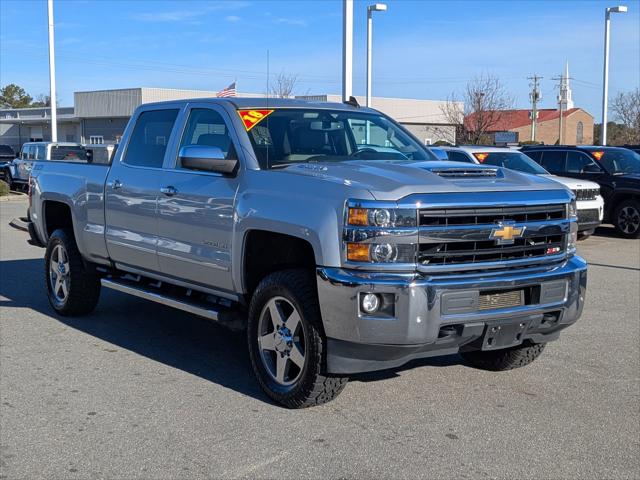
column 195, row 221
column 132, row 189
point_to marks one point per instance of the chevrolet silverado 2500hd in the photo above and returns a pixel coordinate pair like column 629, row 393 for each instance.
column 326, row 230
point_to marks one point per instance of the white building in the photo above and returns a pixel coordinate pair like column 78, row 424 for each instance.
column 100, row 116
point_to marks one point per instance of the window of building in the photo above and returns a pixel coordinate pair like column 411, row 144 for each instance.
column 206, row 127
column 96, row 139
column 580, row 133
column 148, row 141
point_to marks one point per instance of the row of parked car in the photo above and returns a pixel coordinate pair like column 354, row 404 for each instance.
column 15, row 169
column 605, row 180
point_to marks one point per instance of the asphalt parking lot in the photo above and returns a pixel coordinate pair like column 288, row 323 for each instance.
column 139, row 390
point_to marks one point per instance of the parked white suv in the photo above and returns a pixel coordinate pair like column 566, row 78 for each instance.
column 589, row 201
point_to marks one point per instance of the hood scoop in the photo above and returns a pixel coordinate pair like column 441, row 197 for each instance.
column 462, row 172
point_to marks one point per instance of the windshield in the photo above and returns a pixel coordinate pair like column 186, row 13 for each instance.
column 512, row 160
column 60, row 152
column 618, row 161
column 287, row 136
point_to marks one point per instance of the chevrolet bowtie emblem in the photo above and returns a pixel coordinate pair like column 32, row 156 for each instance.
column 506, row 233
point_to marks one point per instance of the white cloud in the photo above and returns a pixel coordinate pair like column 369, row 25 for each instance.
column 182, row 15
column 292, row 21
column 232, row 18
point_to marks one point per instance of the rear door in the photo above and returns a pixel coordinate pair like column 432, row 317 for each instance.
column 132, row 189
column 195, row 221
column 554, row 161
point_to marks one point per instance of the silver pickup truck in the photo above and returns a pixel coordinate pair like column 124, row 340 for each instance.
column 325, row 230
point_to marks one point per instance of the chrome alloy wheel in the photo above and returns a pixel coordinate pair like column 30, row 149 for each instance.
column 281, row 341
column 629, row 219
column 59, row 273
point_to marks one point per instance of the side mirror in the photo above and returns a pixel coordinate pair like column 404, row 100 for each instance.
column 591, row 168
column 206, row 158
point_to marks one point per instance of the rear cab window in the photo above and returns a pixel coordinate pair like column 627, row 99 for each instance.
column 68, row 153
column 148, row 142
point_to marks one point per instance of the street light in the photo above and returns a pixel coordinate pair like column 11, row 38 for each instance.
column 605, row 82
column 376, row 7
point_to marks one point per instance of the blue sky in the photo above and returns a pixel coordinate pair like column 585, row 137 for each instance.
column 422, row 49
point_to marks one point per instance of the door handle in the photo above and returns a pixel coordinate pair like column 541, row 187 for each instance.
column 116, row 184
column 169, row 191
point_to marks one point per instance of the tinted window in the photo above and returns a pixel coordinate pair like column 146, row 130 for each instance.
column 619, row 160
column 514, row 161
column 553, row 161
column 60, row 152
column 149, row 138
column 459, row 157
column 6, row 150
column 206, row 127
column 536, row 156
column 577, row 161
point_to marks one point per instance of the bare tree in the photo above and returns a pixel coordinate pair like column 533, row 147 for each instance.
column 626, row 108
column 481, row 108
column 284, row 85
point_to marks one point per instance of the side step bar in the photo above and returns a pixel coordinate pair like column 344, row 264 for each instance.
column 226, row 317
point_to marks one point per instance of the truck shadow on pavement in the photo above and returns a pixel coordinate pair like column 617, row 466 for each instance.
column 172, row 337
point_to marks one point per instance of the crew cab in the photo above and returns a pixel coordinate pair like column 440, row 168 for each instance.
column 18, row 171
column 615, row 169
column 589, row 201
column 326, row 231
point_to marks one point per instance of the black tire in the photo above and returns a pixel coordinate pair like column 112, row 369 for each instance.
column 626, row 218
column 583, row 235
column 505, row 359
column 82, row 286
column 8, row 178
column 312, row 386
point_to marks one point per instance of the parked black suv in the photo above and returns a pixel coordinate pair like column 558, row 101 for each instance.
column 6, row 156
column 617, row 170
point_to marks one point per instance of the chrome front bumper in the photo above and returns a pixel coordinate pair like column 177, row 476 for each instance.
column 424, row 305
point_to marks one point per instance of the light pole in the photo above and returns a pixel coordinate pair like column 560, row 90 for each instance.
column 52, row 75
column 605, row 81
column 347, row 49
column 376, row 7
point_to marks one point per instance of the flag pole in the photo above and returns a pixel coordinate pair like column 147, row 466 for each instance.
column 52, row 76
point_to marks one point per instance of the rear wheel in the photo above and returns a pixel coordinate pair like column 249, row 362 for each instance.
column 9, row 179
column 505, row 359
column 627, row 218
column 72, row 289
column 286, row 341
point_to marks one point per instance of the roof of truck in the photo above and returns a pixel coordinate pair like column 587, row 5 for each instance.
column 267, row 103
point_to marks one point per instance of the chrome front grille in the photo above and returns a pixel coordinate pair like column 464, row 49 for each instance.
column 490, row 215
column 586, row 193
column 460, row 239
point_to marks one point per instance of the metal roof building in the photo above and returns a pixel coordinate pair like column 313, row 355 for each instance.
column 100, row 116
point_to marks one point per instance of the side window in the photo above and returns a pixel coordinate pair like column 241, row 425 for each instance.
column 24, row 153
column 577, row 161
column 31, row 151
column 553, row 160
column 535, row 156
column 207, row 127
column 458, row 157
column 41, row 152
column 149, row 139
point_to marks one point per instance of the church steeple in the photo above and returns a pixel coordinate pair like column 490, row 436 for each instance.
column 565, row 99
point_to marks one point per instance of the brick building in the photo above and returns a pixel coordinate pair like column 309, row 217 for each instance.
column 577, row 126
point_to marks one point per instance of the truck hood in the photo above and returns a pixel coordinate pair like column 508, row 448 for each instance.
column 392, row 180
column 572, row 183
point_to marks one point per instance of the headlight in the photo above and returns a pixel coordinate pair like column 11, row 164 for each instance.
column 381, row 253
column 573, row 209
column 381, row 217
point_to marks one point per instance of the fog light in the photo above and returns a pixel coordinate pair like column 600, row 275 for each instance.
column 370, row 303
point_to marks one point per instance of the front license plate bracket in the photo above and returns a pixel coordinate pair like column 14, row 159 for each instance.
column 504, row 335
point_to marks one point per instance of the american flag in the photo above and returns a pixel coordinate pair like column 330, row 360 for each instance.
column 230, row 91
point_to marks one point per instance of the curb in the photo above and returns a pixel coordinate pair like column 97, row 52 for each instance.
column 14, row 197
column 20, row 224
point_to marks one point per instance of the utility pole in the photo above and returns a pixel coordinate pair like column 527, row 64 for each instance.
column 52, row 76
column 347, row 49
column 535, row 98
column 562, row 99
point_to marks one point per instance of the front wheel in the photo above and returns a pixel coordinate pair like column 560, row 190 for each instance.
column 72, row 289
column 286, row 341
column 505, row 359
column 627, row 218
